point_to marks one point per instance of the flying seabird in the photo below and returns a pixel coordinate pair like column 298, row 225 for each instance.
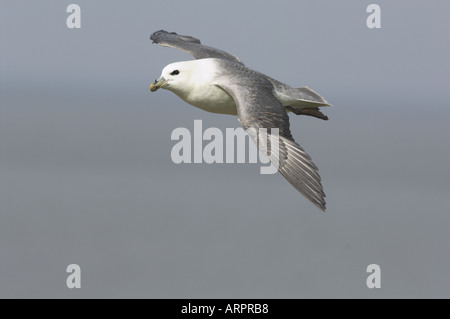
column 219, row 82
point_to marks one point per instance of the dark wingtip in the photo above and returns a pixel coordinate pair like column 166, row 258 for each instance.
column 320, row 205
column 156, row 37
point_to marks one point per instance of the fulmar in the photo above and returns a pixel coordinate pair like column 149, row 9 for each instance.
column 219, row 82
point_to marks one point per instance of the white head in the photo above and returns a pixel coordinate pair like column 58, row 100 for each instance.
column 175, row 77
column 183, row 77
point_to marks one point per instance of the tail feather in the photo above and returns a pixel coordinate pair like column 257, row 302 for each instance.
column 308, row 111
column 310, row 96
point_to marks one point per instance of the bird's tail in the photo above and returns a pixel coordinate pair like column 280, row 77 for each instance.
column 305, row 101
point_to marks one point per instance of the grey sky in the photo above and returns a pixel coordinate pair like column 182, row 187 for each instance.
column 86, row 175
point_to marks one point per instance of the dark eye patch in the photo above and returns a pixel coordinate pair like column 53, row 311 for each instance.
column 176, row 72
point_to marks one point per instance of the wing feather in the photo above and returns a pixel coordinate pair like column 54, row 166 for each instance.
column 190, row 45
column 257, row 107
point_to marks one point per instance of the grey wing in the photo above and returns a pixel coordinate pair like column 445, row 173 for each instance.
column 190, row 45
column 257, row 108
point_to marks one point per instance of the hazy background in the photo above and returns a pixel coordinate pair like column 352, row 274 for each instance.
column 86, row 175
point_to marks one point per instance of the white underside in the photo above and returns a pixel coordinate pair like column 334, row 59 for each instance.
column 218, row 101
column 213, row 99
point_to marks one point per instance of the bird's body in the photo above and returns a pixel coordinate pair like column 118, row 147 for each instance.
column 211, row 98
column 219, row 82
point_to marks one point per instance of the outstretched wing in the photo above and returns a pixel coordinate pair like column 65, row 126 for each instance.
column 190, row 45
column 257, row 108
